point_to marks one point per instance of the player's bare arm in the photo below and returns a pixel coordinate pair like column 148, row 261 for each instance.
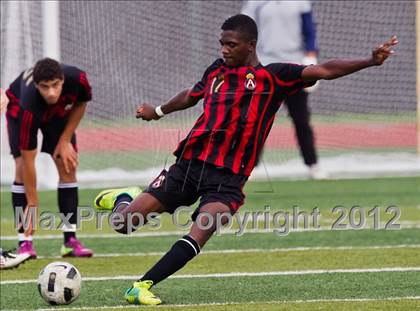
column 4, row 101
column 29, row 176
column 180, row 101
column 64, row 149
column 29, row 182
column 337, row 68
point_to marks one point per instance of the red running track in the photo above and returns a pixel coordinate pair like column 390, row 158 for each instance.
column 281, row 136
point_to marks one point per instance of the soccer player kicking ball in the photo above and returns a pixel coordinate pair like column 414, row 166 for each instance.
column 240, row 99
column 50, row 97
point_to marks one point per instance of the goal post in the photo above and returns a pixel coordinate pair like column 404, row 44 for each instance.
column 51, row 29
column 418, row 73
column 29, row 31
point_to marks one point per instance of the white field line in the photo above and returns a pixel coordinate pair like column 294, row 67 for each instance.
column 183, row 232
column 238, row 274
column 233, row 303
column 258, row 250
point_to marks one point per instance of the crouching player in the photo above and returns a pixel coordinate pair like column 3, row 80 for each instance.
column 50, row 97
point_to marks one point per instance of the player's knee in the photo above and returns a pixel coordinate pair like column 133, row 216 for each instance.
column 67, row 177
column 63, row 173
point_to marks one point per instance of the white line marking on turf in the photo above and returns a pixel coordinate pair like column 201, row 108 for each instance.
column 101, row 235
column 183, row 232
column 233, row 303
column 258, row 250
column 238, row 274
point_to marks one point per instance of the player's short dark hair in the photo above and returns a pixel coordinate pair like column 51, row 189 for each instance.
column 47, row 69
column 243, row 24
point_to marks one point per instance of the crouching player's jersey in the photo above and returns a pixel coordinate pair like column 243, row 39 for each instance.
column 27, row 110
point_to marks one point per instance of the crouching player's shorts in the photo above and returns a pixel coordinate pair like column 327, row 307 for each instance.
column 51, row 133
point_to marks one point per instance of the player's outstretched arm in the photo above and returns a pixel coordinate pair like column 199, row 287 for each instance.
column 334, row 69
column 180, row 101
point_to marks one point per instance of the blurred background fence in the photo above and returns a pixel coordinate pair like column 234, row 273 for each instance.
column 146, row 51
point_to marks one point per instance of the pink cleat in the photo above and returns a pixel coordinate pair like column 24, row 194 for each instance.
column 26, row 248
column 74, row 248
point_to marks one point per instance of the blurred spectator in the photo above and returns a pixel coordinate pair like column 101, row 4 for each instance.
column 287, row 34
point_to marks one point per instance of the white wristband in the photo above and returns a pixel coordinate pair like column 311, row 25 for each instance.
column 159, row 111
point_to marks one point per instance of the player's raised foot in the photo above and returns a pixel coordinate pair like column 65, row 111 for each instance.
column 73, row 248
column 27, row 248
column 140, row 293
column 9, row 260
column 105, row 200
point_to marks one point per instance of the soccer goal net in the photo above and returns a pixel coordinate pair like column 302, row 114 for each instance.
column 147, row 51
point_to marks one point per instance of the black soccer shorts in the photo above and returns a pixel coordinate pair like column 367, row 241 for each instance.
column 51, row 132
column 188, row 180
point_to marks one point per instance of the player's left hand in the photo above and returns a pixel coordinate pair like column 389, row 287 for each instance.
column 66, row 153
column 383, row 51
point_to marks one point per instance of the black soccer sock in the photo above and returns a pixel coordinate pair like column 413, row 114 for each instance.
column 181, row 252
column 121, row 202
column 19, row 201
column 68, row 200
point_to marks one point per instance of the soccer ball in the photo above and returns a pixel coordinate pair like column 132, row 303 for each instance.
column 59, row 283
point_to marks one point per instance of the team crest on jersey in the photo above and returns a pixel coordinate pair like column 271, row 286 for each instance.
column 250, row 82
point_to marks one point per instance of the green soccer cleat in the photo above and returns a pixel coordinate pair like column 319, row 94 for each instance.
column 140, row 294
column 105, row 200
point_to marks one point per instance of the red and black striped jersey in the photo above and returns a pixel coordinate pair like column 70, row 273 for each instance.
column 27, row 104
column 239, row 106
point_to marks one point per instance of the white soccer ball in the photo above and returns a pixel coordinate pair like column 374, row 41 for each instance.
column 59, row 283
